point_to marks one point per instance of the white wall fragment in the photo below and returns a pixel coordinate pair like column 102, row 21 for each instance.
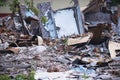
column 65, row 20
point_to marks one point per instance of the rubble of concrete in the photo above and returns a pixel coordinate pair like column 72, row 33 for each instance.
column 93, row 55
column 58, row 58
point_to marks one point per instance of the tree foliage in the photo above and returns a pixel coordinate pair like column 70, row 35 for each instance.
column 13, row 5
column 31, row 7
column 3, row 2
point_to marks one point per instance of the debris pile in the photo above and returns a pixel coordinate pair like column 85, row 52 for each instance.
column 93, row 55
column 69, row 56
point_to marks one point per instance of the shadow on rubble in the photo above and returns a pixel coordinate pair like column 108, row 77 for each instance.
column 100, row 33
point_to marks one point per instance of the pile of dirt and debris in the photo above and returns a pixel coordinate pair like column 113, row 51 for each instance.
column 93, row 55
column 71, row 57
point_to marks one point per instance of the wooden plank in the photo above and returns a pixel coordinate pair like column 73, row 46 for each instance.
column 79, row 40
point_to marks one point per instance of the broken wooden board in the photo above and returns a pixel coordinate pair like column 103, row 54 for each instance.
column 113, row 46
column 79, row 40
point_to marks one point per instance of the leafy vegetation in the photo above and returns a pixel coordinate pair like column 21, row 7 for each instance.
column 4, row 77
column 31, row 7
column 31, row 75
column 85, row 76
column 3, row 2
column 13, row 5
column 19, row 77
column 44, row 19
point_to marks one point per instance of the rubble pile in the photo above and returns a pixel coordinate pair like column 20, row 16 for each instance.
column 93, row 55
column 58, row 55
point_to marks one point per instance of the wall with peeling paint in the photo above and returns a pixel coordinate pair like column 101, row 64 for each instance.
column 55, row 4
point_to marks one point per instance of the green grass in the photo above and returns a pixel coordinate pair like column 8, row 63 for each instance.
column 30, row 76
